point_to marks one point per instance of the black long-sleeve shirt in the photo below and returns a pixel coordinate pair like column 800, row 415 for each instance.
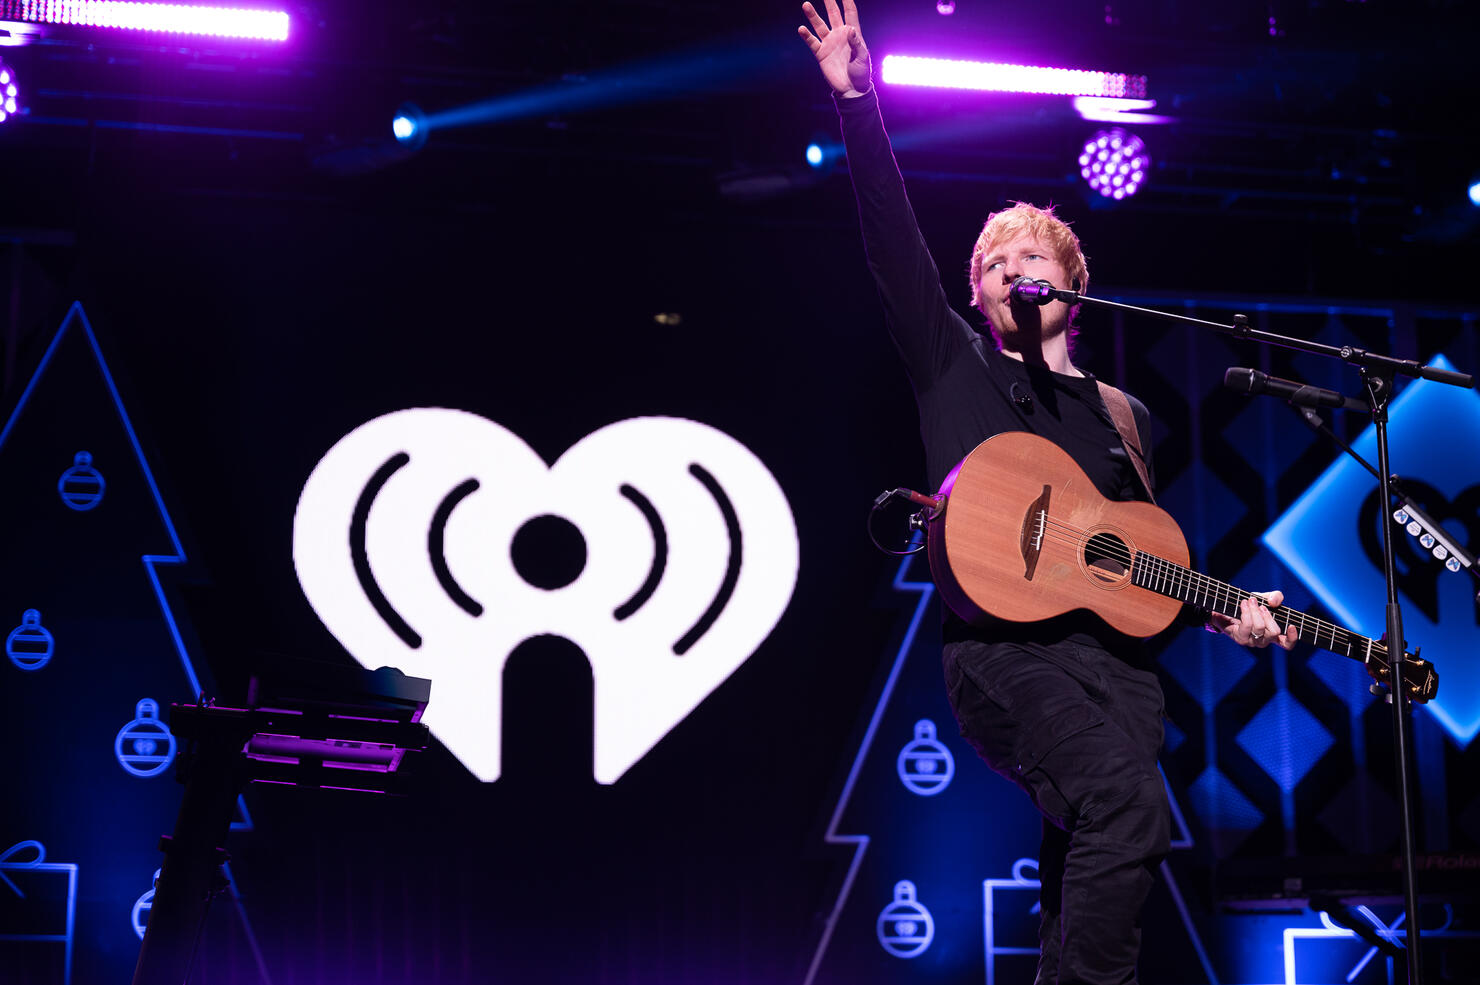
column 966, row 389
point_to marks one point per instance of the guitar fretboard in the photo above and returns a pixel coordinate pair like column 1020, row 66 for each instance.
column 1175, row 581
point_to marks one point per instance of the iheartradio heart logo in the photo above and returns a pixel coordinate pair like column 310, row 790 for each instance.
column 681, row 557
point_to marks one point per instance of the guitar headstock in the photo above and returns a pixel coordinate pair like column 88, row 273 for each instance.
column 1419, row 676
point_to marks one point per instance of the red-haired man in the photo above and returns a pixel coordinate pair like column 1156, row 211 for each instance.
column 1068, row 709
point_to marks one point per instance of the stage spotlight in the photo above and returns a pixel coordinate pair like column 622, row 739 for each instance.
column 9, row 92
column 373, row 152
column 1475, row 191
column 409, row 126
column 815, row 156
column 945, row 7
column 1114, row 163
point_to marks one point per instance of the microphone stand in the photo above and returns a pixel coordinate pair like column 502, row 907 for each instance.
column 1377, row 373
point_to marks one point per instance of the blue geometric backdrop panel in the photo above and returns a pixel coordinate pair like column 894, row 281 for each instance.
column 1326, row 538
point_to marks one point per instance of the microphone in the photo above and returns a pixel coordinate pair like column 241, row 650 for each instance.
column 1040, row 292
column 1250, row 381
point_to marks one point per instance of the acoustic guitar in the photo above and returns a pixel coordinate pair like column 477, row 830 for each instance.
column 1019, row 533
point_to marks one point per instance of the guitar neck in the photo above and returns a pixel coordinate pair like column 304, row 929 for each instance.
column 1185, row 585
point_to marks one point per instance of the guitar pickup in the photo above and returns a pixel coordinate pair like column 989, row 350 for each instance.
column 1030, row 538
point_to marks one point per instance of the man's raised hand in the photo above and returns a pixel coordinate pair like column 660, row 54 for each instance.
column 840, row 51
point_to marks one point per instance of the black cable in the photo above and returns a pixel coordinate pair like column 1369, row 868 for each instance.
column 879, row 502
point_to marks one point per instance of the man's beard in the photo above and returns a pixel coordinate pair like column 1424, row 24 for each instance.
column 1027, row 330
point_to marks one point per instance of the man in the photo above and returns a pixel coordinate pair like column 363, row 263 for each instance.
column 1067, row 708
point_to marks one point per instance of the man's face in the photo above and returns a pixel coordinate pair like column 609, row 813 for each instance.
column 1017, row 322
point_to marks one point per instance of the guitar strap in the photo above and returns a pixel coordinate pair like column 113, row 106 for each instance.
column 1130, row 436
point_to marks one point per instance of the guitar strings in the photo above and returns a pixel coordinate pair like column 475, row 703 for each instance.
column 1069, row 535
column 1312, row 628
column 1341, row 638
column 1201, row 587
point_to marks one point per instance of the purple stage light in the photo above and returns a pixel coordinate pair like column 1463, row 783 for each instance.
column 9, row 93
column 1114, row 163
column 172, row 18
column 947, row 73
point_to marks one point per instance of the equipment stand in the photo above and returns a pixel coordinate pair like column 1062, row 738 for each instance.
column 1377, row 372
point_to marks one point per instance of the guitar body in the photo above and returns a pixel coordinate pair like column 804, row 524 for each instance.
column 1025, row 536
column 1019, row 533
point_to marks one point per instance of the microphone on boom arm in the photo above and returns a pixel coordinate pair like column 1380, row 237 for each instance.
column 1252, row 381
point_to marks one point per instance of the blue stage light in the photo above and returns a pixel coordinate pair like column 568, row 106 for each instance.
column 1475, row 192
column 677, row 75
column 815, row 156
column 408, row 135
column 409, row 127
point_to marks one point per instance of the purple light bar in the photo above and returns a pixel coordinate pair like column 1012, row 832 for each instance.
column 173, row 18
column 946, row 73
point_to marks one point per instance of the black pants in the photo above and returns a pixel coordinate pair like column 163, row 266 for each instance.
column 1079, row 730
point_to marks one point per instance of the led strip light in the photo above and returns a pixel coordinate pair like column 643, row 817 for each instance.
column 172, row 18
column 946, row 73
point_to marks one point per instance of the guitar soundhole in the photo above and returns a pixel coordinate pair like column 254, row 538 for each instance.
column 1107, row 559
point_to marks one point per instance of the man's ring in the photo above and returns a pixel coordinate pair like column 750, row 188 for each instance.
column 1256, row 637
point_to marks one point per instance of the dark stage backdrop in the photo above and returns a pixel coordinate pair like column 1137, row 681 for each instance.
column 811, row 815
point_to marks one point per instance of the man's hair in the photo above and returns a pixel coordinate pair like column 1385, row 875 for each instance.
column 1023, row 217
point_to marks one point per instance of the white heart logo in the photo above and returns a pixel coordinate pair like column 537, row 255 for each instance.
column 402, row 540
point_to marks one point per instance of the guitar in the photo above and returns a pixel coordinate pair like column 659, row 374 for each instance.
column 1018, row 532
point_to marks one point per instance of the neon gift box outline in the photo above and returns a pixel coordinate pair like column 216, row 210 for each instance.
column 16, row 872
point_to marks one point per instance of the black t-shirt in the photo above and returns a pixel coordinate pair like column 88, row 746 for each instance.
column 965, row 388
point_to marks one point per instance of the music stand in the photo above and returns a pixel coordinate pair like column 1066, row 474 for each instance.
column 306, row 724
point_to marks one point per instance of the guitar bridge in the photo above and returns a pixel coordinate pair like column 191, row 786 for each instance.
column 1030, row 538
